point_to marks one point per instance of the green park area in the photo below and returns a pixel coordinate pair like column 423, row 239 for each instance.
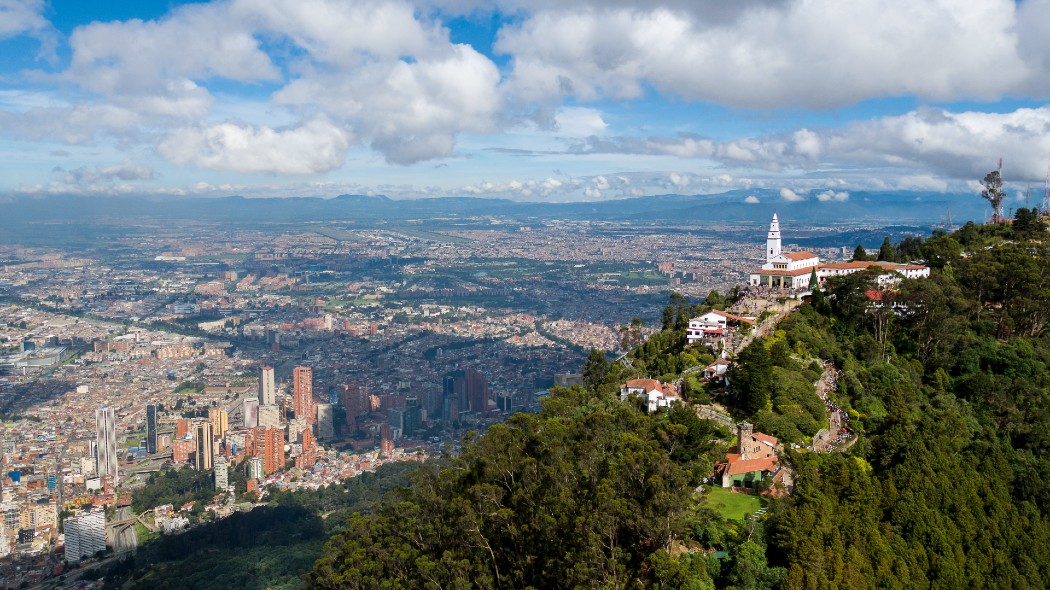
column 733, row 506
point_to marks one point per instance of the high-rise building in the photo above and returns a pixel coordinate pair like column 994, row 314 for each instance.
column 255, row 468
column 325, row 425
column 106, row 442
column 355, row 402
column 412, row 417
column 220, row 421
column 303, row 393
column 296, row 426
column 182, row 427
column 222, row 474
column 182, row 450
column 267, row 387
column 269, row 416
column 269, row 444
column 85, row 534
column 308, row 456
column 151, row 429
column 204, row 448
column 251, row 412
column 386, row 440
column 477, row 390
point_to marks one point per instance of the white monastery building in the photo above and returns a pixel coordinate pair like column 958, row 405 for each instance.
column 793, row 270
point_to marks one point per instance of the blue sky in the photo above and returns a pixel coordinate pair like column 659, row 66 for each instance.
column 522, row 99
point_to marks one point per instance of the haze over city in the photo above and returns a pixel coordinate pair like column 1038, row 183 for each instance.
column 528, row 100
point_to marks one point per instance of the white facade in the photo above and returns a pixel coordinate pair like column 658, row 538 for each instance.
column 713, row 325
column 773, row 242
column 267, row 388
column 106, row 442
column 269, row 416
column 85, row 534
column 222, row 474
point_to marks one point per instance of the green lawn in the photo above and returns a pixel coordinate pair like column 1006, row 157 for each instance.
column 733, row 506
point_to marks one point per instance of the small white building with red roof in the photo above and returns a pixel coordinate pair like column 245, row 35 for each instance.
column 656, row 394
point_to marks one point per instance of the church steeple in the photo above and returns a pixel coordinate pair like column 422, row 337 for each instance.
column 773, row 240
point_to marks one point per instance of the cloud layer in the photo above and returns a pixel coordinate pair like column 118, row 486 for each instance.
column 302, row 87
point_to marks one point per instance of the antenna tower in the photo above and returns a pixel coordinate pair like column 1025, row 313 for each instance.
column 951, row 227
column 1046, row 194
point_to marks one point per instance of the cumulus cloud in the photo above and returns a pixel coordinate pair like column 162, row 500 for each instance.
column 840, row 196
column 791, row 196
column 751, row 200
column 20, row 16
column 314, row 147
column 803, row 53
column 579, row 122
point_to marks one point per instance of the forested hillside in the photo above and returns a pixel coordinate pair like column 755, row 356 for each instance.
column 945, row 381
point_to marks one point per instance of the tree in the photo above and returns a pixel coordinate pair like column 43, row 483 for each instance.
column 860, row 254
column 752, row 377
column 595, row 370
column 887, row 253
column 993, row 193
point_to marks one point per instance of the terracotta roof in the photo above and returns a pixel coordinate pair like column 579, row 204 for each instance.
column 847, row 265
column 765, row 438
column 650, row 385
column 752, row 465
column 786, row 273
column 731, row 316
column 799, row 255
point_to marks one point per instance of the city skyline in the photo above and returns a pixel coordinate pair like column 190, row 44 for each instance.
column 521, row 99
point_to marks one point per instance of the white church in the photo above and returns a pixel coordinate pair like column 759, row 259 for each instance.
column 793, row 270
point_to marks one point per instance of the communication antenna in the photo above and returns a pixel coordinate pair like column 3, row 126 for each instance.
column 951, row 227
column 1046, row 194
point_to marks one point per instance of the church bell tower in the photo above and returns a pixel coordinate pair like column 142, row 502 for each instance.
column 773, row 240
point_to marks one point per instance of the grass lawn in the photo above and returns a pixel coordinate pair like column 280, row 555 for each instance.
column 733, row 506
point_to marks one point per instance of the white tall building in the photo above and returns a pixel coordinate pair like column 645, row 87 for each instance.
column 106, row 442
column 222, row 474
column 773, row 242
column 85, row 534
column 251, row 412
column 267, row 388
column 269, row 416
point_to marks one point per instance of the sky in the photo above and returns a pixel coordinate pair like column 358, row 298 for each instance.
column 538, row 100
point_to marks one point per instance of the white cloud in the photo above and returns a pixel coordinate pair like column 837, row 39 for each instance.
column 816, row 53
column 791, row 196
column 20, row 16
column 579, row 122
column 752, row 200
column 679, row 181
column 314, row 147
column 840, row 196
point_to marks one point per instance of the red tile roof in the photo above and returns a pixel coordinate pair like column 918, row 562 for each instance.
column 765, row 438
column 799, row 255
column 767, row 464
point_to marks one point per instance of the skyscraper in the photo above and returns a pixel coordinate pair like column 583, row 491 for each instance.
column 268, row 445
column 325, row 425
column 269, row 416
column 106, row 442
column 303, row 393
column 151, row 429
column 222, row 474
column 412, row 418
column 204, row 446
column 308, row 456
column 220, row 421
column 251, row 412
column 267, row 388
column 85, row 534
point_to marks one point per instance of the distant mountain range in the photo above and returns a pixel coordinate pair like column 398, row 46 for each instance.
column 862, row 209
